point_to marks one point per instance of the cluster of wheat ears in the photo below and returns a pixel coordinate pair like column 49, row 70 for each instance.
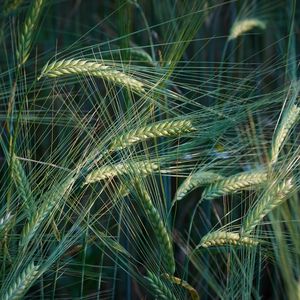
column 104, row 182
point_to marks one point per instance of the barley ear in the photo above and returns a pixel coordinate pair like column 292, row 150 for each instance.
column 159, row 288
column 222, row 238
column 193, row 293
column 26, row 35
column 270, row 200
column 194, row 181
column 159, row 129
column 287, row 122
column 234, row 184
column 242, row 26
column 159, row 228
column 18, row 289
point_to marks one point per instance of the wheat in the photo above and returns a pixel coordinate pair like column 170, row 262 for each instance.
column 91, row 68
column 288, row 121
column 160, row 129
column 242, row 26
column 159, row 228
column 194, row 181
column 25, row 38
column 5, row 222
column 159, row 288
column 221, row 238
column 50, row 200
column 234, row 184
column 18, row 289
column 269, row 201
column 11, row 6
column 193, row 293
column 139, row 168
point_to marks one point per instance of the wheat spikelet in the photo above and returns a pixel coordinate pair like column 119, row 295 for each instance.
column 269, row 201
column 50, row 200
column 193, row 293
column 160, row 129
column 18, row 289
column 234, row 184
column 242, row 26
column 139, row 168
column 91, row 68
column 221, row 238
column 25, row 38
column 22, row 185
column 5, row 221
column 288, row 121
column 159, row 228
column 195, row 180
column 159, row 288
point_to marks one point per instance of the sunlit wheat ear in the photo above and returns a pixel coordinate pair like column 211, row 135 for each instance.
column 234, row 184
column 159, row 288
column 242, row 26
column 28, row 29
column 287, row 122
column 222, row 238
column 50, row 200
column 22, row 185
column 273, row 198
column 91, row 68
column 159, row 228
column 139, row 168
column 18, row 289
column 194, row 181
column 5, row 222
column 161, row 129
column 193, row 293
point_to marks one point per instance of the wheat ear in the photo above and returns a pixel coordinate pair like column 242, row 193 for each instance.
column 10, row 6
column 194, row 181
column 159, row 228
column 234, row 184
column 221, row 238
column 139, row 168
column 269, row 201
column 25, row 38
column 242, row 26
column 50, row 200
column 91, row 68
column 193, row 293
column 18, row 289
column 160, row 129
column 159, row 288
column 22, row 185
column 5, row 222
column 288, row 121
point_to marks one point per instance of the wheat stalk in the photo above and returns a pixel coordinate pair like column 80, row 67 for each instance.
column 91, row 68
column 18, row 289
column 273, row 198
column 50, row 200
column 194, row 181
column 159, row 228
column 25, row 38
column 221, row 238
column 193, row 293
column 234, row 184
column 160, row 289
column 160, row 129
column 242, row 26
column 288, row 121
column 139, row 168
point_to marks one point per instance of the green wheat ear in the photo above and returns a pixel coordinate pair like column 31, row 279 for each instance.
column 26, row 35
column 18, row 289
